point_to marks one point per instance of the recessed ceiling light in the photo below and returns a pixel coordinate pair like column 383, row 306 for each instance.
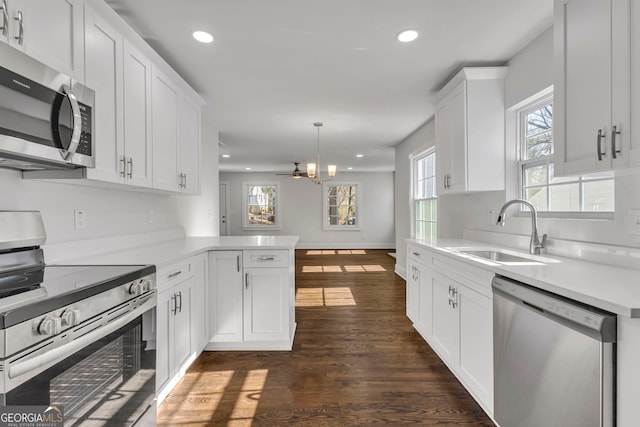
column 350, row 168
column 248, row 169
column 202, row 36
column 407, row 36
column 359, row 155
column 226, row 156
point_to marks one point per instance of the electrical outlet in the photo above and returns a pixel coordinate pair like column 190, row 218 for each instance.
column 634, row 222
column 210, row 214
column 80, row 218
column 490, row 218
column 150, row 216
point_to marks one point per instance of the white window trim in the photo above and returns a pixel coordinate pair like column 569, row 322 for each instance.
column 245, row 207
column 531, row 104
column 412, row 189
column 325, row 206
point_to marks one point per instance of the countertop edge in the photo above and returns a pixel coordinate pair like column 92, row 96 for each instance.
column 549, row 277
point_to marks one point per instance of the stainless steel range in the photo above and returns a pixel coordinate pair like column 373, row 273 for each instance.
column 74, row 336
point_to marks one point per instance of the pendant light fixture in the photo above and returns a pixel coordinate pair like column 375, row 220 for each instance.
column 313, row 169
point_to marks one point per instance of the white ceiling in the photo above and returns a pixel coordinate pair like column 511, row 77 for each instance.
column 277, row 66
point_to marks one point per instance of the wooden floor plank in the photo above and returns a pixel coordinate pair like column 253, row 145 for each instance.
column 356, row 361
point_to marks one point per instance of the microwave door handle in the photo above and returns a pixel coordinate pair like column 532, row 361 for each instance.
column 77, row 124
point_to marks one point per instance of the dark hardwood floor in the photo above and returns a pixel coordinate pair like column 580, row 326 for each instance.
column 356, row 361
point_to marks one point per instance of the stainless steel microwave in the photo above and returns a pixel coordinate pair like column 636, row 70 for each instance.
column 46, row 119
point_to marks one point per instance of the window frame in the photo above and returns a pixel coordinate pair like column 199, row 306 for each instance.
column 521, row 113
column 325, row 206
column 415, row 200
column 246, row 225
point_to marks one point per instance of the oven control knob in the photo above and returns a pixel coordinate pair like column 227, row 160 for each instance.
column 50, row 326
column 135, row 288
column 147, row 285
column 70, row 317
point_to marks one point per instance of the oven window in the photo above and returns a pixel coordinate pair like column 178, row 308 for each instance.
column 110, row 382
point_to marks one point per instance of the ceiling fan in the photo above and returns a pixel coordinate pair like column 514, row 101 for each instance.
column 297, row 173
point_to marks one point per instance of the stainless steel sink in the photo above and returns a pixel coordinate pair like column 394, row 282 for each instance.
column 497, row 256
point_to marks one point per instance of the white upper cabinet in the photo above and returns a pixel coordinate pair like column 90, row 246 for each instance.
column 176, row 137
column 165, row 133
column 596, row 69
column 45, row 30
column 629, row 12
column 469, row 121
column 103, row 73
column 135, row 160
column 121, row 76
column 189, row 137
column 147, row 119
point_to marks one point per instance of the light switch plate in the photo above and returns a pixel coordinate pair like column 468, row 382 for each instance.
column 633, row 223
column 80, row 218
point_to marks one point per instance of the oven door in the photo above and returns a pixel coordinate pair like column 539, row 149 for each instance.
column 110, row 381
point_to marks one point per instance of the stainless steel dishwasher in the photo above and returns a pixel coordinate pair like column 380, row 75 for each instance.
column 554, row 359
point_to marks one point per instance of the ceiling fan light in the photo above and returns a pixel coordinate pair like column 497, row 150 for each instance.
column 311, row 170
column 332, row 170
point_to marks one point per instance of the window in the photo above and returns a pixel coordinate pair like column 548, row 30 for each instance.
column 260, row 206
column 341, row 204
column 424, row 196
column 538, row 184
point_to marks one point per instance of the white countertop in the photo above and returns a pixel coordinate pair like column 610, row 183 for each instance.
column 167, row 252
column 610, row 288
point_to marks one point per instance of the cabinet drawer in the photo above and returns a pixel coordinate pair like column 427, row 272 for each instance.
column 265, row 258
column 418, row 254
column 173, row 274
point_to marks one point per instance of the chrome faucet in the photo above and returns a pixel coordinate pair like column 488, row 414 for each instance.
column 535, row 244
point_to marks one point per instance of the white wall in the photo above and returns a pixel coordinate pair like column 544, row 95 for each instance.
column 530, row 72
column 419, row 141
column 109, row 212
column 114, row 212
column 301, row 209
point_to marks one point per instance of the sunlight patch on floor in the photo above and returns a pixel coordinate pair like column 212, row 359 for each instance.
column 337, row 251
column 324, row 297
column 355, row 268
column 249, row 397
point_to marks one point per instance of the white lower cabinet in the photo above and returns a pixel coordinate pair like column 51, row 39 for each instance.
column 420, row 291
column 181, row 326
column 251, row 300
column 455, row 316
column 266, row 304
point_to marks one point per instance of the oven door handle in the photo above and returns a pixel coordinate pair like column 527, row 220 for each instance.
column 45, row 360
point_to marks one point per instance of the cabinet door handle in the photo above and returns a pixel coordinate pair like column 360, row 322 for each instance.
column 601, row 153
column 185, row 181
column 180, row 304
column 5, row 18
column 246, row 280
column 174, row 305
column 20, row 36
column 130, row 167
column 238, row 263
column 172, row 275
column 614, row 149
column 123, row 166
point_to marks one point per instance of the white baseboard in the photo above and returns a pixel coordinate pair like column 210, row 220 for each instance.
column 348, row 245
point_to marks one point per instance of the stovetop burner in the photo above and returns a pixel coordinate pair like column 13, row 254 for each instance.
column 17, row 282
column 56, row 286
